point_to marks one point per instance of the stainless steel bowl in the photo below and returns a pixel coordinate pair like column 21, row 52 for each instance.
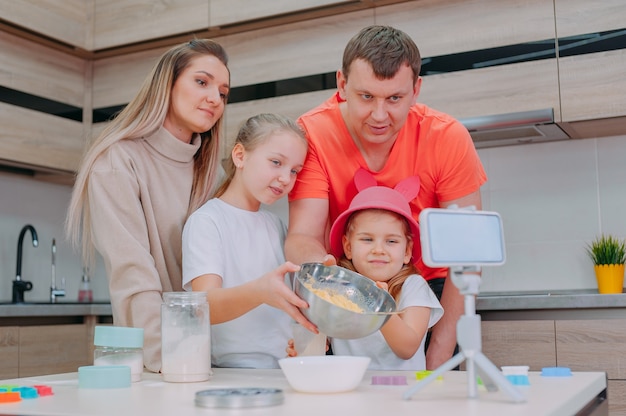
column 336, row 321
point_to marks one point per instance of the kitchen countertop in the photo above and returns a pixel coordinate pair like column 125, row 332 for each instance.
column 570, row 299
column 486, row 302
column 152, row 396
column 8, row 310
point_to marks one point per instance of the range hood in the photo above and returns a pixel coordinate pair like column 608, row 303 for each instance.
column 537, row 126
column 514, row 128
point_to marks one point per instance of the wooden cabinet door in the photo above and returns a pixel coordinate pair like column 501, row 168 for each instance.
column 596, row 345
column 593, row 345
column 592, row 84
column 9, row 349
column 528, row 343
column 51, row 349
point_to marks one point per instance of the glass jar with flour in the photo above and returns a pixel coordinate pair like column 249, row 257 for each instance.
column 116, row 345
column 185, row 337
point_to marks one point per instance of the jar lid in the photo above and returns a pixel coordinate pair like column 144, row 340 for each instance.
column 239, row 397
column 556, row 372
column 104, row 377
column 118, row 336
column 180, row 298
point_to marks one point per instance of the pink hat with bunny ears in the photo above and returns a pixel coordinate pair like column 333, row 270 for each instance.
column 378, row 197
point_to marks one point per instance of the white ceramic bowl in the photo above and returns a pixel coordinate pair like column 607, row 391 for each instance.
column 325, row 373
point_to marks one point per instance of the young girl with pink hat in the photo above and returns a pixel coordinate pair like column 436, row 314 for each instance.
column 377, row 237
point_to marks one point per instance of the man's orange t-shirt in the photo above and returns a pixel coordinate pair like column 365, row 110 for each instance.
column 431, row 145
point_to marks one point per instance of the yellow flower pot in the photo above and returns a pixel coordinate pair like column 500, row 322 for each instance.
column 610, row 278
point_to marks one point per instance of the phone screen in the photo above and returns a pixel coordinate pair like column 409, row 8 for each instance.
column 461, row 237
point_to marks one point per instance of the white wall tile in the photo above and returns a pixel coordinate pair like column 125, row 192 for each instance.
column 612, row 184
column 554, row 199
column 43, row 205
column 537, row 266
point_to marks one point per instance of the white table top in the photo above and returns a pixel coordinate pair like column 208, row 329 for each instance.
column 152, row 396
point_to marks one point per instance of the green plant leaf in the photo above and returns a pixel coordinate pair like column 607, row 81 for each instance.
column 607, row 249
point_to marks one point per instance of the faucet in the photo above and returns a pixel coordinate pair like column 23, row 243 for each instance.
column 54, row 290
column 20, row 286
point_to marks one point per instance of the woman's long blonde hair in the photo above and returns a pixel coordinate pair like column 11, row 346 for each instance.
column 395, row 283
column 143, row 116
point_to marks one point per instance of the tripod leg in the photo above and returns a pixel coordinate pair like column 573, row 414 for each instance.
column 490, row 371
column 487, row 382
column 447, row 366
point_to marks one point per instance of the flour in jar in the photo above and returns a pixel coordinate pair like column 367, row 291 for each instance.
column 132, row 359
column 187, row 360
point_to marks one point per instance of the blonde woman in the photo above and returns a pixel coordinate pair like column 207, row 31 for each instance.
column 155, row 162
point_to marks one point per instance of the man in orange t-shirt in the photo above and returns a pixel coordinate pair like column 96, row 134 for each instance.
column 373, row 122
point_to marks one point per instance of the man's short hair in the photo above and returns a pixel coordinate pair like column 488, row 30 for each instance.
column 385, row 48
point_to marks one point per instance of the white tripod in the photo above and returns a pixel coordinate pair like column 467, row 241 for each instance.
column 466, row 278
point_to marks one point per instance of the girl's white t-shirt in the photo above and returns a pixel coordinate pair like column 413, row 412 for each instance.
column 415, row 292
column 239, row 246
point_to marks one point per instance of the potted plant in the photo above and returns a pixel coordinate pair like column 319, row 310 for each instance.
column 608, row 254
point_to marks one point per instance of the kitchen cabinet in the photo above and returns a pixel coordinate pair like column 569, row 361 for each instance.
column 592, row 84
column 598, row 344
column 9, row 352
column 528, row 343
column 41, row 71
column 30, row 137
column 68, row 20
column 580, row 344
column 228, row 12
column 48, row 339
column 35, row 139
column 122, row 22
column 51, row 349
column 503, row 89
column 44, row 349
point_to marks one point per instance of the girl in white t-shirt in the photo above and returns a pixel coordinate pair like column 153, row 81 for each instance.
column 230, row 241
column 377, row 237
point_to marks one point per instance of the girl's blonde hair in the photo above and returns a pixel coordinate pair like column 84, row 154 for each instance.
column 143, row 116
column 254, row 132
column 396, row 282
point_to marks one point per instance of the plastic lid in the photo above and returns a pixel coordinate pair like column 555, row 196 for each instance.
column 10, row 397
column 518, row 379
column 104, row 377
column 556, row 372
column 389, row 380
column 44, row 390
column 422, row 374
column 118, row 336
column 28, row 392
column 239, row 397
column 515, row 370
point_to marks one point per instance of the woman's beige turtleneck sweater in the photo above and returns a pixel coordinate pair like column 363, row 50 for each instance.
column 138, row 195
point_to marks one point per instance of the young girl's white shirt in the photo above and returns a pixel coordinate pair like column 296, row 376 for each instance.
column 239, row 246
column 415, row 292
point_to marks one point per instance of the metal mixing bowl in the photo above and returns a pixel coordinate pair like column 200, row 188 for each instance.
column 336, row 321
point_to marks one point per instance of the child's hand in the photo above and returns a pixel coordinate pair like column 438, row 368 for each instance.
column 383, row 285
column 329, row 260
column 291, row 350
column 272, row 290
